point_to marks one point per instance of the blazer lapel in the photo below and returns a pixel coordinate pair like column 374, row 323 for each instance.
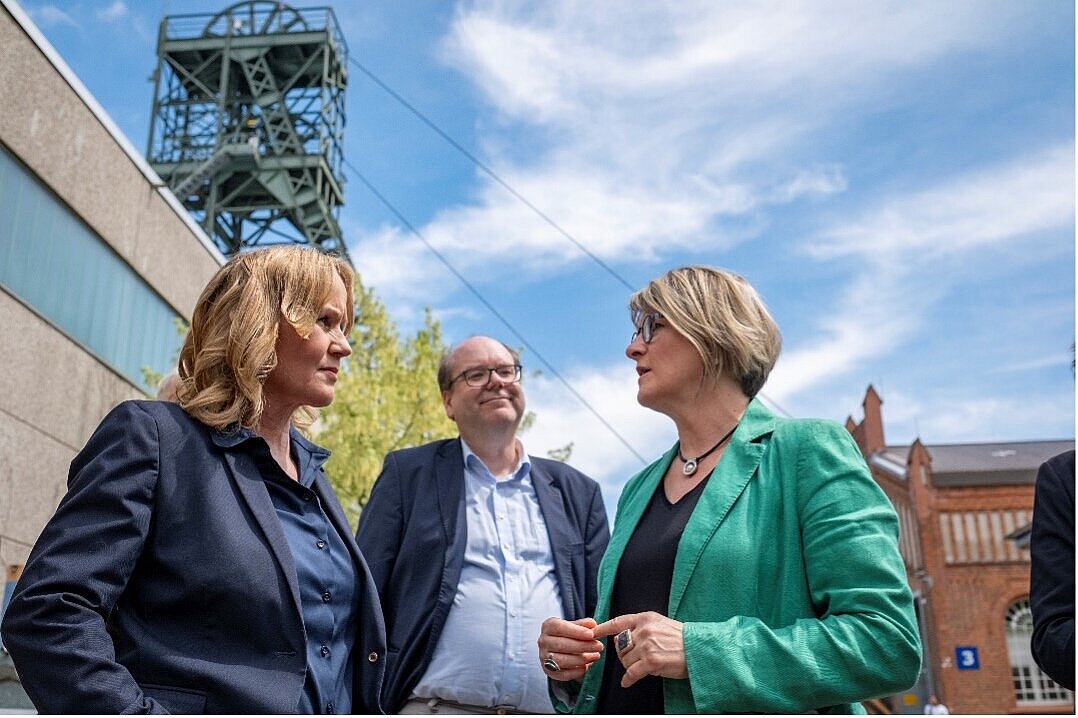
column 449, row 480
column 736, row 468
column 552, row 506
column 447, row 477
column 253, row 489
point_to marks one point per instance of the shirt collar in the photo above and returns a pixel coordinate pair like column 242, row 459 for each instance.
column 472, row 461
column 240, row 435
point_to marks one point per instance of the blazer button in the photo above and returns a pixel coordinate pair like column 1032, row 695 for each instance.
column 372, row 656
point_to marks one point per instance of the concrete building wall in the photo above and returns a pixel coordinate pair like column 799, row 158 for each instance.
column 54, row 391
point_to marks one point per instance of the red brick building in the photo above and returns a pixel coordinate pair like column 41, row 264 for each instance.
column 957, row 505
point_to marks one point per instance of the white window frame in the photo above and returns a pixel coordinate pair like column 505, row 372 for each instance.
column 1032, row 686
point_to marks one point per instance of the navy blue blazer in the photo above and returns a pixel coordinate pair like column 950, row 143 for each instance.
column 413, row 532
column 164, row 583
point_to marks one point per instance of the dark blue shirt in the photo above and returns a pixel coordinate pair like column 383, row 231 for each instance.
column 324, row 571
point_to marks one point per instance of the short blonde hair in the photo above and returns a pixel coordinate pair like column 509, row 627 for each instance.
column 722, row 316
column 230, row 348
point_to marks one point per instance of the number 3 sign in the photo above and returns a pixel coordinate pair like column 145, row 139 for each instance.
column 966, row 658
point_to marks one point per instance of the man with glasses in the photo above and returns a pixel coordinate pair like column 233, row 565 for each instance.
column 473, row 544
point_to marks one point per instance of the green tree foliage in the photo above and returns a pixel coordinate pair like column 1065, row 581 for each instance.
column 387, row 398
column 561, row 454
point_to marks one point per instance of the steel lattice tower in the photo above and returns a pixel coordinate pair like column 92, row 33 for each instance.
column 248, row 120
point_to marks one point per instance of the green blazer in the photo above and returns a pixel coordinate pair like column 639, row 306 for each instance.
column 788, row 577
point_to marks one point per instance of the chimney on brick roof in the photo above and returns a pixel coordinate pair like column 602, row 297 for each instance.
column 871, row 428
column 919, row 462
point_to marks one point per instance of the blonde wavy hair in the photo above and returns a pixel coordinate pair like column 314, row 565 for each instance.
column 722, row 316
column 230, row 348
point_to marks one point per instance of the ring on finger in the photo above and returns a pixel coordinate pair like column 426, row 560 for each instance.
column 550, row 664
column 623, row 642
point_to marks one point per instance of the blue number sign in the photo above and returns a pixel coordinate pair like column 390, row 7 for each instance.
column 966, row 658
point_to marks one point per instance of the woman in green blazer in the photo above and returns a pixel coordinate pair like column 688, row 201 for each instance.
column 754, row 567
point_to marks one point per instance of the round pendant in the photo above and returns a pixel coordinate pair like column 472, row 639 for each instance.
column 689, row 468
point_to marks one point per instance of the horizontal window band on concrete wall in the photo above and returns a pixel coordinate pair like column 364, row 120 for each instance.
column 55, row 264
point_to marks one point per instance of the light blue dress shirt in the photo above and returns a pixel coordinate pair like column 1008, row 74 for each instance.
column 486, row 655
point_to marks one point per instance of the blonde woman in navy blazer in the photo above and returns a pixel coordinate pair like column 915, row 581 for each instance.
column 754, row 567
column 200, row 561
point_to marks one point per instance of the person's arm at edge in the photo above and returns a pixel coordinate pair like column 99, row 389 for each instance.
column 1051, row 590
column 78, row 569
column 596, row 537
column 595, row 541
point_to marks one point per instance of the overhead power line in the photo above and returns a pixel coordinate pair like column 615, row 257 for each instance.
column 491, row 173
column 525, row 201
column 478, row 295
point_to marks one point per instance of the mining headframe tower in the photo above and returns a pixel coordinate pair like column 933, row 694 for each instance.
column 248, row 123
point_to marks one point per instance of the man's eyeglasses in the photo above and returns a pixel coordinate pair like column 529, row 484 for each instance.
column 645, row 325
column 480, row 376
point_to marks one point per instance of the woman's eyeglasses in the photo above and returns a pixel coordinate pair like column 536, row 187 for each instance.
column 645, row 325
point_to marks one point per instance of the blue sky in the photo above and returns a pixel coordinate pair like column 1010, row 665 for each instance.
column 895, row 178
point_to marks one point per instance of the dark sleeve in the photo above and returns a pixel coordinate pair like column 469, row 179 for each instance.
column 596, row 537
column 596, row 532
column 381, row 525
column 55, row 624
column 1051, row 586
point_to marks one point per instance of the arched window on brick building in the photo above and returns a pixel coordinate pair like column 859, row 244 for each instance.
column 1031, row 686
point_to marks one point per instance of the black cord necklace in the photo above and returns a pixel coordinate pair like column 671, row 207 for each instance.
column 690, row 464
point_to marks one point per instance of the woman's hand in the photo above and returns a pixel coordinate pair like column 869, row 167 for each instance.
column 648, row 644
column 570, row 646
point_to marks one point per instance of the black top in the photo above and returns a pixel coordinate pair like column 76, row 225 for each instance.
column 642, row 584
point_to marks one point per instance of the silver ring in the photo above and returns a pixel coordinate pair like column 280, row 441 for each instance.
column 550, row 664
column 623, row 641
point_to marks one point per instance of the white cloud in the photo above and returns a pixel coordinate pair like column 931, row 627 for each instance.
column 946, row 419
column 987, row 207
column 551, row 61
column 907, row 250
column 659, row 121
column 406, row 276
column 809, row 181
column 660, row 129
column 561, row 418
column 115, row 11
column 608, row 219
column 881, row 308
column 50, row 15
column 394, row 262
column 1046, row 362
